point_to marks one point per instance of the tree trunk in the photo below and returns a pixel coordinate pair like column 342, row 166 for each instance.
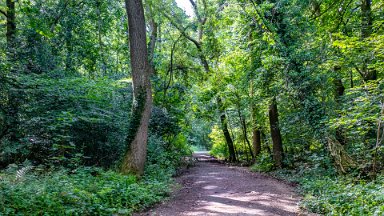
column 135, row 156
column 153, row 39
column 224, row 127
column 339, row 92
column 11, row 23
column 13, row 109
column 256, row 134
column 256, row 141
column 244, row 129
column 275, row 134
column 366, row 31
column 366, row 18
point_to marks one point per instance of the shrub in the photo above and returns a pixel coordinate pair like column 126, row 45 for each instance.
column 344, row 196
column 84, row 191
column 264, row 163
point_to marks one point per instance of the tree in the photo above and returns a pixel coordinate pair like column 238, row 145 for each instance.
column 275, row 134
column 198, row 42
column 136, row 141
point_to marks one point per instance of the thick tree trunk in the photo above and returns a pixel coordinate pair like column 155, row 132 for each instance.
column 136, row 140
column 224, row 127
column 275, row 134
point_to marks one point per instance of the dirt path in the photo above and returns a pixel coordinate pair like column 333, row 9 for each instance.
column 214, row 189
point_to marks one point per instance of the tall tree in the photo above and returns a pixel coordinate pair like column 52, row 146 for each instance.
column 201, row 21
column 275, row 133
column 136, row 140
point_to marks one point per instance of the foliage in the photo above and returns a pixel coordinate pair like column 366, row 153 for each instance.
column 83, row 191
column 343, row 195
column 264, row 163
column 63, row 102
column 329, row 194
column 68, row 118
column 219, row 148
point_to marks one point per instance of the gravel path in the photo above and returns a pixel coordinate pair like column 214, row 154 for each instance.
column 212, row 188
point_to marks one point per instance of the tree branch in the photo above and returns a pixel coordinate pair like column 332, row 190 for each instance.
column 4, row 13
column 360, row 72
column 194, row 41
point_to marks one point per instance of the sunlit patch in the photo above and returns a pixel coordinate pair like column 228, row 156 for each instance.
column 210, row 187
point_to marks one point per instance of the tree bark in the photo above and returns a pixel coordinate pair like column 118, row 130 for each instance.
column 275, row 134
column 11, row 23
column 135, row 156
column 256, row 141
column 224, row 127
column 256, row 134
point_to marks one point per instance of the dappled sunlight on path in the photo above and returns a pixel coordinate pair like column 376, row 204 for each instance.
column 216, row 189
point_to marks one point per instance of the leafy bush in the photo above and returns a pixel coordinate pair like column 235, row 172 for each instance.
column 344, row 196
column 327, row 193
column 219, row 148
column 84, row 191
column 163, row 158
column 66, row 118
column 264, row 163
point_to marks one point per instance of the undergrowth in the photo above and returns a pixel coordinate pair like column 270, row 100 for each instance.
column 84, row 191
column 327, row 193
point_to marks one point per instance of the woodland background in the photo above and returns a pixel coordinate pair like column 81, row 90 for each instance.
column 294, row 88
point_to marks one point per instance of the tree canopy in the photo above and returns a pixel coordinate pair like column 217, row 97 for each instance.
column 277, row 84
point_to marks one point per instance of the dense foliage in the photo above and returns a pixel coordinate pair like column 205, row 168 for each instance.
column 281, row 84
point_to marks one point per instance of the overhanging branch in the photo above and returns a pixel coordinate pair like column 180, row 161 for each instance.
column 4, row 13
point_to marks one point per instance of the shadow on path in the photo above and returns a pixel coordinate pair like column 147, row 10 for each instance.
column 217, row 189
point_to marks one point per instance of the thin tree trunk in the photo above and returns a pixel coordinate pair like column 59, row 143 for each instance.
column 366, row 31
column 339, row 92
column 103, row 69
column 13, row 94
column 244, row 129
column 11, row 23
column 256, row 141
column 246, row 138
column 224, row 126
column 275, row 134
column 153, row 39
column 256, row 135
column 135, row 156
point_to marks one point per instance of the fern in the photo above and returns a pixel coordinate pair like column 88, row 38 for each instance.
column 21, row 172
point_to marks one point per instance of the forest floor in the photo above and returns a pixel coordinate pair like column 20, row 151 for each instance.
column 212, row 188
